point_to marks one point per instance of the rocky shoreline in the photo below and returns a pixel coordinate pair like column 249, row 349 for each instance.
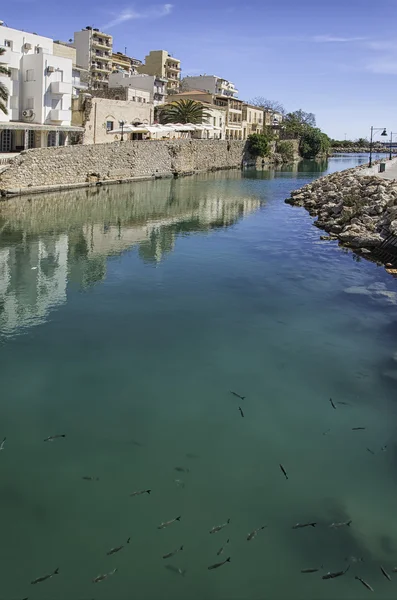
column 362, row 150
column 358, row 210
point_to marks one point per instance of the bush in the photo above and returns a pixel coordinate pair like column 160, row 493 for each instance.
column 286, row 149
column 259, row 144
column 313, row 142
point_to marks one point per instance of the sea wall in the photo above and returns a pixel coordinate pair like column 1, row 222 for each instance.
column 358, row 209
column 81, row 165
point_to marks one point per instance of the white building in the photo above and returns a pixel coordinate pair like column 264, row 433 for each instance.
column 212, row 84
column 156, row 86
column 40, row 92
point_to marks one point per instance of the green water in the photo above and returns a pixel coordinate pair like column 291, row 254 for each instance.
column 127, row 314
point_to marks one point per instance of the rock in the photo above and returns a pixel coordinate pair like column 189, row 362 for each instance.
column 365, row 251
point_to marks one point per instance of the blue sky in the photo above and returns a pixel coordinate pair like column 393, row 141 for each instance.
column 337, row 59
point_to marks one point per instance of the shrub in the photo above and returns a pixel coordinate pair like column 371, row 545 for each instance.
column 259, row 144
column 286, row 149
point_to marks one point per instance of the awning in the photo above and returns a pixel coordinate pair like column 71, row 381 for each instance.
column 37, row 126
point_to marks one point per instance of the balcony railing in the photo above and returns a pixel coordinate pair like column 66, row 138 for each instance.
column 57, row 114
column 101, row 43
column 60, row 87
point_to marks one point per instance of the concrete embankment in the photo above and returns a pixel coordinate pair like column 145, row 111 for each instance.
column 358, row 207
column 47, row 169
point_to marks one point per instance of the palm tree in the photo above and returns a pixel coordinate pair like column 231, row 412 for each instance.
column 183, row 111
column 3, row 90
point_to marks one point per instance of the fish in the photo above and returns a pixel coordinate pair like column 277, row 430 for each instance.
column 358, row 428
column 176, row 570
column 344, row 403
column 191, row 455
column 140, row 492
column 40, row 579
column 182, row 469
column 355, row 559
column 364, row 583
column 301, row 525
column 114, row 550
column 241, row 412
column 384, row 448
column 337, row 525
column 371, row 451
column 88, row 478
column 335, row 574
column 238, row 395
column 253, row 534
column 55, row 437
column 102, row 577
column 167, row 523
column 2, row 444
column 173, row 552
column 325, row 432
column 385, row 573
column 220, row 551
column 284, row 471
column 179, row 483
column 219, row 527
column 332, row 403
column 217, row 565
column 309, row 570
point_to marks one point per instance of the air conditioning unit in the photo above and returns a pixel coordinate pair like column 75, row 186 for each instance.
column 27, row 46
column 28, row 114
column 50, row 69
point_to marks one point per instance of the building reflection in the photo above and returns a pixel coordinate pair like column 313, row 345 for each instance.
column 50, row 242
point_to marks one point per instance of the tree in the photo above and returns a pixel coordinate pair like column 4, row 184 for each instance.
column 304, row 118
column 259, row 144
column 313, row 142
column 272, row 105
column 183, row 111
column 3, row 89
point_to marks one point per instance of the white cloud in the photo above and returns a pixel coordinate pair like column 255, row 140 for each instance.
column 128, row 14
column 385, row 45
column 332, row 39
column 383, row 66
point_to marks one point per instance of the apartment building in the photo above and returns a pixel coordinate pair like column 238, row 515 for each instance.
column 216, row 116
column 210, row 83
column 40, row 92
column 153, row 84
column 94, row 52
column 253, row 120
column 162, row 64
column 80, row 76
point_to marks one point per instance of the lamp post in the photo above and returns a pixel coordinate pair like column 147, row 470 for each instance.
column 374, row 129
column 391, row 144
column 122, row 123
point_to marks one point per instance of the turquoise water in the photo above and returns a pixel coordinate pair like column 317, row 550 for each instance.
column 127, row 315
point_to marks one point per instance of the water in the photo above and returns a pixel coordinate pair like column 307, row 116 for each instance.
column 127, row 314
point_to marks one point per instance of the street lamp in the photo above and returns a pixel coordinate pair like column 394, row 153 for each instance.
column 391, row 144
column 383, row 130
column 122, row 123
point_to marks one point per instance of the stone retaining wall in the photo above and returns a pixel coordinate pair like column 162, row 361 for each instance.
column 72, row 166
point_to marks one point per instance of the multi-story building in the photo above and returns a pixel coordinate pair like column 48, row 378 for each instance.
column 94, row 53
column 150, row 83
column 253, row 119
column 125, row 64
column 162, row 64
column 233, row 110
column 40, row 92
column 273, row 118
column 80, row 76
column 210, row 83
column 216, row 116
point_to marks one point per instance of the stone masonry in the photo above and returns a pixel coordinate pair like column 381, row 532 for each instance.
column 78, row 165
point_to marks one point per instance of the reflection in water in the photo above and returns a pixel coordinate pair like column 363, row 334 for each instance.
column 49, row 240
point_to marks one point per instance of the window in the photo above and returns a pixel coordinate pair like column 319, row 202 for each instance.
column 8, row 44
column 109, row 125
column 214, row 122
column 30, row 103
column 29, row 76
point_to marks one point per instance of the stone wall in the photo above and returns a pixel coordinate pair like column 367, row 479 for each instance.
column 81, row 165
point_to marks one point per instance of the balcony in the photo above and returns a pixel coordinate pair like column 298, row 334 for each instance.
column 11, row 59
column 172, row 67
column 60, row 87
column 101, row 68
column 60, row 115
column 101, row 43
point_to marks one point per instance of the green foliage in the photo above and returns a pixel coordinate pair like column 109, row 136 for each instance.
column 313, row 142
column 259, row 144
column 286, row 149
column 183, row 111
column 3, row 90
